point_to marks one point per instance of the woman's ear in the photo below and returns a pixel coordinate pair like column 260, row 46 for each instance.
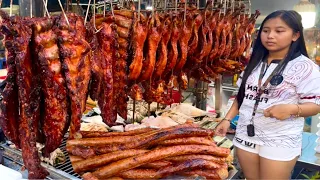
column 295, row 36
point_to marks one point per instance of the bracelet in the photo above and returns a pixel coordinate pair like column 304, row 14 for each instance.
column 299, row 111
column 225, row 119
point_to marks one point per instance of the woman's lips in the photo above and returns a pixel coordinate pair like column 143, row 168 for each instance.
column 271, row 43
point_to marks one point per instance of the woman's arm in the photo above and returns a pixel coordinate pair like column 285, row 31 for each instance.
column 285, row 111
column 222, row 128
column 306, row 109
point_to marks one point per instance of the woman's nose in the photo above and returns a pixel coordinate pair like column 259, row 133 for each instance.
column 271, row 35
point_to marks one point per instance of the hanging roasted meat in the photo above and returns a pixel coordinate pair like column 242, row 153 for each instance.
column 173, row 46
column 136, row 92
column 217, row 34
column 183, row 50
column 205, row 38
column 224, row 33
column 75, row 57
column 29, row 99
column 229, row 31
column 95, row 62
column 250, row 31
column 236, row 40
column 9, row 111
column 150, row 49
column 121, row 92
column 53, row 84
column 162, row 52
column 123, row 21
column 185, row 36
column 107, row 38
column 194, row 40
column 139, row 35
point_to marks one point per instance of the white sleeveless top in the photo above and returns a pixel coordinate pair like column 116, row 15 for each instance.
column 301, row 84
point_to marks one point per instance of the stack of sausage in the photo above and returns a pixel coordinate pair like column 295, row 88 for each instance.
column 149, row 154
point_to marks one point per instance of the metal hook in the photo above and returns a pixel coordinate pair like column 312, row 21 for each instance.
column 94, row 17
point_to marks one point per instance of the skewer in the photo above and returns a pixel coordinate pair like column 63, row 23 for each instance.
column 152, row 11
column 11, row 1
column 111, row 7
column 31, row 8
column 65, row 16
column 165, row 4
column 232, row 5
column 185, row 12
column 139, row 9
column 148, row 109
column 180, row 94
column 45, row 3
column 86, row 17
column 104, row 8
column 133, row 111
column 176, row 7
column 170, row 96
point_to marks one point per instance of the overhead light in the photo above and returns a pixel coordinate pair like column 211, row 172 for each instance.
column 149, row 8
column 307, row 10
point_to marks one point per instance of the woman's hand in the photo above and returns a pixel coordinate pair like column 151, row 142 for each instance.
column 281, row 111
column 222, row 128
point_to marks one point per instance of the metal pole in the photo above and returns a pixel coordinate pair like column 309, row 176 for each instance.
column 37, row 8
column 218, row 94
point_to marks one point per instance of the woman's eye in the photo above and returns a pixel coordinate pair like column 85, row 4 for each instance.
column 265, row 31
column 280, row 31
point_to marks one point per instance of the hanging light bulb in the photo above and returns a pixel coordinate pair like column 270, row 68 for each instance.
column 307, row 10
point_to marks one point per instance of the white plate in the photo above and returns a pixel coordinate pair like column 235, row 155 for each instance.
column 9, row 174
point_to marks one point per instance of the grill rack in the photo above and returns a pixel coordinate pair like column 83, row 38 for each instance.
column 66, row 166
column 62, row 171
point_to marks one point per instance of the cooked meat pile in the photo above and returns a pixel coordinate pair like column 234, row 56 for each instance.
column 55, row 63
column 149, row 154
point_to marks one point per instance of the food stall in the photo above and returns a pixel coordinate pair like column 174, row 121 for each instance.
column 132, row 63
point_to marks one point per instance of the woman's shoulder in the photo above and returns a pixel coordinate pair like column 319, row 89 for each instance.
column 301, row 68
column 303, row 60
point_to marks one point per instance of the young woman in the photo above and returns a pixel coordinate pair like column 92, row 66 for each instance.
column 279, row 87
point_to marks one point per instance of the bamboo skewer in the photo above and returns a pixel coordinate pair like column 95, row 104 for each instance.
column 11, row 1
column 64, row 13
column 88, row 8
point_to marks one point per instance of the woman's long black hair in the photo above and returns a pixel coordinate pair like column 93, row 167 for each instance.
column 293, row 20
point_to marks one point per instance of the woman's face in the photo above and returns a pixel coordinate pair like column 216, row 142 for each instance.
column 276, row 35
